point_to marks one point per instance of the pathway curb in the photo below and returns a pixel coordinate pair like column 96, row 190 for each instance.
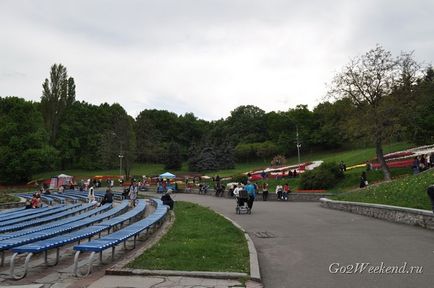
column 255, row 273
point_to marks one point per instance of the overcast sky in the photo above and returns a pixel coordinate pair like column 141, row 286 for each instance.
column 204, row 56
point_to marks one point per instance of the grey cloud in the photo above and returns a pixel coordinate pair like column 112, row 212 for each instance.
column 187, row 55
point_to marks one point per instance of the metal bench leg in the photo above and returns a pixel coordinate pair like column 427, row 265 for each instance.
column 26, row 267
column 55, row 262
column 3, row 258
column 77, row 271
column 113, row 252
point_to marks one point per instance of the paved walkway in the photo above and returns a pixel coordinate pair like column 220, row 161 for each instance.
column 302, row 240
column 299, row 243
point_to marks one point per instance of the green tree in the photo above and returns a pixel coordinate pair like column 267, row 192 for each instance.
column 117, row 140
column 246, row 124
column 331, row 124
column 367, row 81
column 58, row 93
column 173, row 159
column 24, row 148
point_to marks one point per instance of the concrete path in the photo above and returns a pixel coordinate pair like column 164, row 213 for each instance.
column 304, row 245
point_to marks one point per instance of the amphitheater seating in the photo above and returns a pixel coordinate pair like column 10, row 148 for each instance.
column 47, row 212
column 122, row 235
column 63, row 239
column 74, row 227
column 75, row 209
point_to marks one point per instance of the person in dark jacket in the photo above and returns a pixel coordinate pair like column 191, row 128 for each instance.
column 167, row 200
column 363, row 180
column 430, row 192
column 108, row 197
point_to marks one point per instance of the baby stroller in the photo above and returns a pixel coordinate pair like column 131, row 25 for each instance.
column 242, row 199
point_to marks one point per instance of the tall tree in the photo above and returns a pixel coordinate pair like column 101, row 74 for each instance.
column 368, row 81
column 58, row 93
column 24, row 148
column 247, row 124
column 173, row 159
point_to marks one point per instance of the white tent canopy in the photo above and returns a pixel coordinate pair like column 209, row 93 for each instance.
column 167, row 175
column 60, row 180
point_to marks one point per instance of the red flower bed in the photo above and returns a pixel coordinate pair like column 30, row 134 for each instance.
column 395, row 164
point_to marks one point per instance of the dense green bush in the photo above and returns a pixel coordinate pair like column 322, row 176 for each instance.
column 324, row 177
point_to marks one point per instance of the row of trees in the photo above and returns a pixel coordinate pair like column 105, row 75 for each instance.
column 377, row 98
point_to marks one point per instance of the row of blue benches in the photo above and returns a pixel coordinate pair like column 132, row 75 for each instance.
column 14, row 239
column 120, row 236
column 65, row 234
column 69, row 195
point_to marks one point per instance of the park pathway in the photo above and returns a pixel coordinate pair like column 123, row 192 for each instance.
column 297, row 242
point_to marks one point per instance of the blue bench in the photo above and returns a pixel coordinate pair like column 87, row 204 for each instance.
column 68, row 226
column 75, row 209
column 37, row 217
column 61, row 240
column 27, row 212
column 122, row 235
column 81, row 195
column 10, row 211
column 66, row 197
column 45, row 198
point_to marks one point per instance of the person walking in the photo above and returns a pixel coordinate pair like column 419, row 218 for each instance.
column 251, row 191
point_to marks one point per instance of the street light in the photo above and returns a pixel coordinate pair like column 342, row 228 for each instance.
column 120, row 165
column 120, row 155
column 298, row 147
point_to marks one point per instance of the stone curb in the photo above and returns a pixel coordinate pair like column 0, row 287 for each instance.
column 255, row 273
column 403, row 215
column 197, row 274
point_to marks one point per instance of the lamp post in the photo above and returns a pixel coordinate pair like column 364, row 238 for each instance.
column 120, row 154
column 298, row 148
column 120, row 165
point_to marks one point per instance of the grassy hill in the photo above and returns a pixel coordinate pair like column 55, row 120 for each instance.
column 406, row 191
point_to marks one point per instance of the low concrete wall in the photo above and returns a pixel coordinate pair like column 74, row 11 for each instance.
column 409, row 216
column 272, row 196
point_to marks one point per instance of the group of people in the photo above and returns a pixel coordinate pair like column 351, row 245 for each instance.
column 422, row 163
column 35, row 202
column 108, row 196
column 283, row 191
column 251, row 189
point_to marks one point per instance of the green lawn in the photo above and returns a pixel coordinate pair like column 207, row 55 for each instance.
column 406, row 192
column 352, row 178
column 6, row 197
column 199, row 240
column 351, row 157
